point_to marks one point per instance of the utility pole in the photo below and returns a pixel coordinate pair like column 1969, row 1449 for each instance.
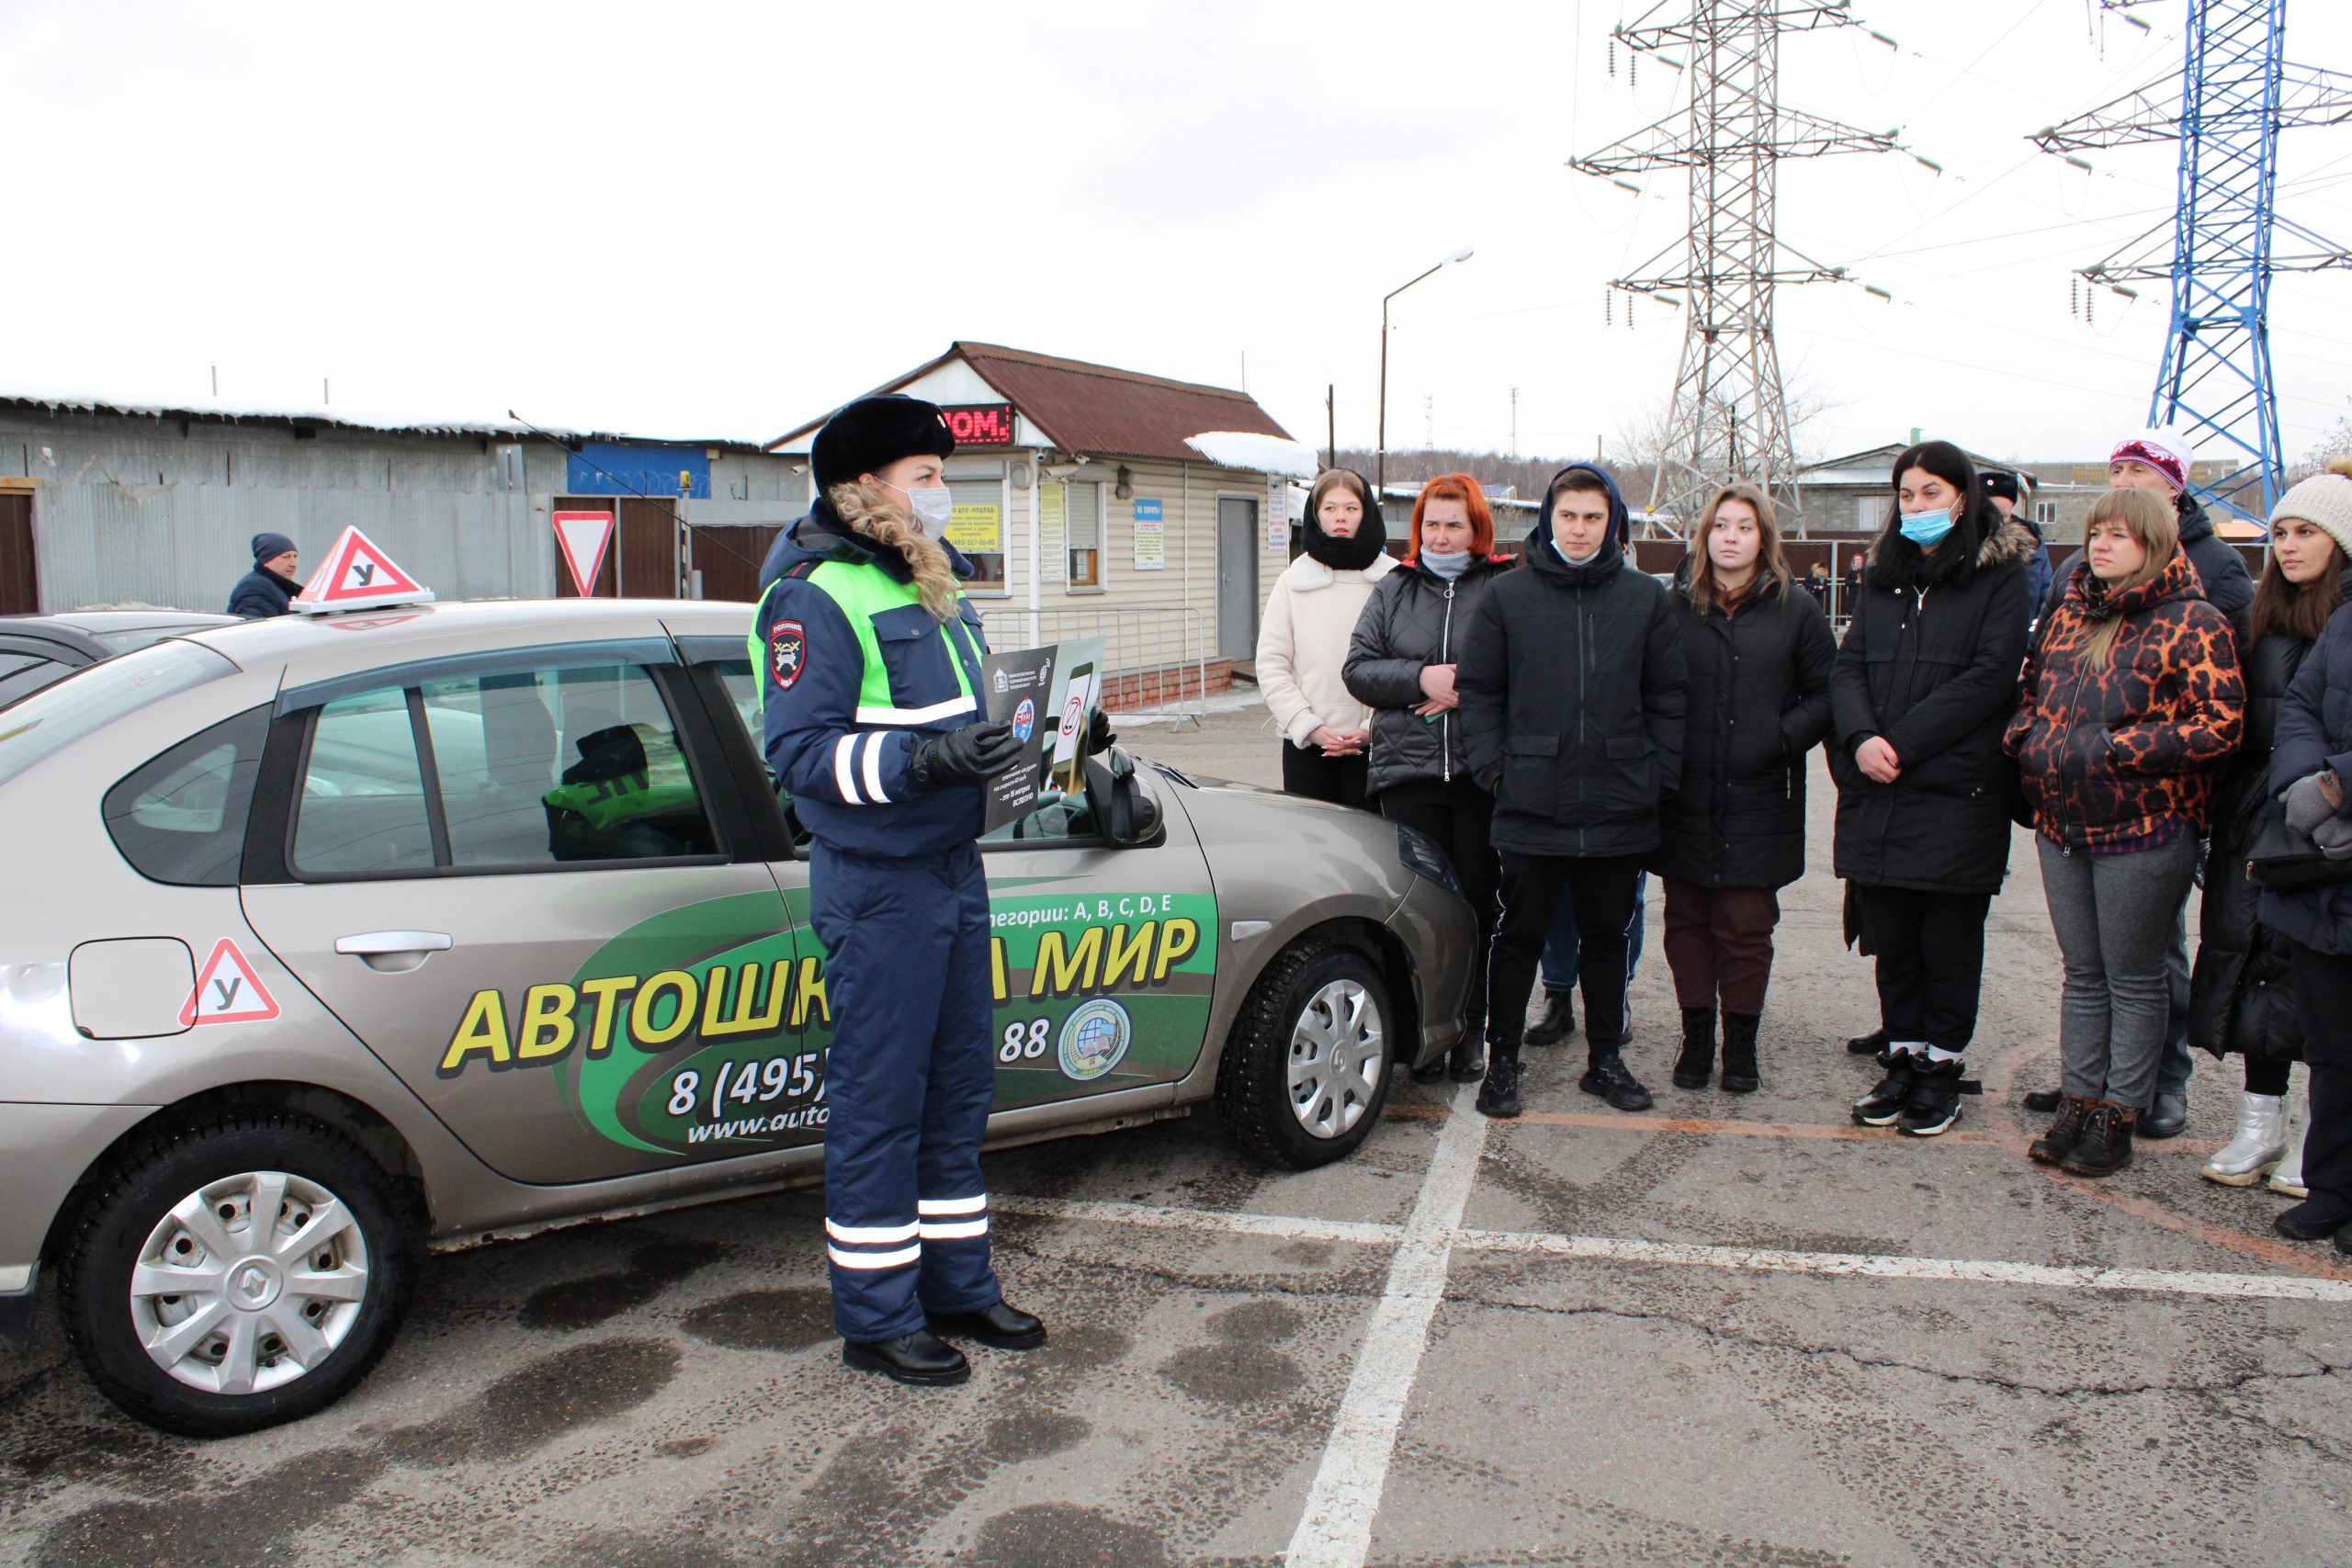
column 1514, row 424
column 1331, row 425
column 2235, row 93
column 1729, row 416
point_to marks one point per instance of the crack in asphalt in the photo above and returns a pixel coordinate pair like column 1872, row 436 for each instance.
column 1986, row 1380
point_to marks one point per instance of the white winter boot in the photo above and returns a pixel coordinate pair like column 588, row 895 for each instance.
column 2261, row 1139
column 2288, row 1176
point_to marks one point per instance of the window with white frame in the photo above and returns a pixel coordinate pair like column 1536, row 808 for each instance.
column 2045, row 511
column 1085, row 535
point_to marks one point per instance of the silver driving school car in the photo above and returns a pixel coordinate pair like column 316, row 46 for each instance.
column 331, row 939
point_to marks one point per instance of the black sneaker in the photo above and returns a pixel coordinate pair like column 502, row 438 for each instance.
column 1559, row 1020
column 1883, row 1104
column 1498, row 1094
column 2106, row 1145
column 1697, row 1063
column 2065, row 1131
column 1934, row 1106
column 1607, row 1078
column 1875, row 1044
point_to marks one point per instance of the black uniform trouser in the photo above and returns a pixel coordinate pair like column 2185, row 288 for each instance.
column 1604, row 889
column 2322, row 983
column 1930, row 962
column 1308, row 772
column 1458, row 815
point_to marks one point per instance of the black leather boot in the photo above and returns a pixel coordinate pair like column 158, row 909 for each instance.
column 1559, row 1020
column 1739, row 1052
column 2065, row 1131
column 917, row 1358
column 1868, row 1045
column 1697, row 1063
column 2106, row 1145
column 1883, row 1104
column 1002, row 1327
column 1467, row 1061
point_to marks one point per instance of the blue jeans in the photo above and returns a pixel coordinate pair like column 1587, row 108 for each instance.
column 1560, row 944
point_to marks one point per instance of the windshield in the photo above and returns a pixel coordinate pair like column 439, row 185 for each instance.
column 53, row 718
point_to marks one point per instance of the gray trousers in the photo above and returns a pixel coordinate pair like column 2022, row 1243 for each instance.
column 2114, row 916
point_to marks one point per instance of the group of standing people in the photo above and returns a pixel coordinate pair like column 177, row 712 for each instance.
column 1559, row 725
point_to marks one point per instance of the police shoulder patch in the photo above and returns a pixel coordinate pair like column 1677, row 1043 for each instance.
column 788, row 652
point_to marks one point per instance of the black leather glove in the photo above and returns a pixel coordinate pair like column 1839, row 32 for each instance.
column 1098, row 732
column 963, row 756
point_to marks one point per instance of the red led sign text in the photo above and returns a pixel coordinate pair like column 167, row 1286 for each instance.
column 980, row 424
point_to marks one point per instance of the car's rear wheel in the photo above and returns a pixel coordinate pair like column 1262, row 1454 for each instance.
column 1306, row 1070
column 243, row 1270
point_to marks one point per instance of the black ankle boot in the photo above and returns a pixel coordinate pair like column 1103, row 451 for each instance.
column 1883, row 1104
column 1739, row 1052
column 1467, row 1062
column 1697, row 1063
column 1868, row 1045
column 1559, row 1020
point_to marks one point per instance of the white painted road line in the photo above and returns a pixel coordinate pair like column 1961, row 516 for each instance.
column 1847, row 1265
column 1335, row 1529
column 1280, row 1226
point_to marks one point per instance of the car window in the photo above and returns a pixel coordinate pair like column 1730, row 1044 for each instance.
column 181, row 817
column 523, row 769
column 542, row 766
column 362, row 805
column 22, row 675
column 92, row 698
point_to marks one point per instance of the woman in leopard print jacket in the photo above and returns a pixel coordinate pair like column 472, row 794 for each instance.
column 2132, row 699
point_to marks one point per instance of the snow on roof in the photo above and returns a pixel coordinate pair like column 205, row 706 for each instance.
column 1251, row 450
column 348, row 416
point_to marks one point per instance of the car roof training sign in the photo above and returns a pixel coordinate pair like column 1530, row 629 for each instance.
column 358, row 576
column 584, row 538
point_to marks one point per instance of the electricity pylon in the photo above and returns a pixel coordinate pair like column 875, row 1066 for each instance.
column 1729, row 417
column 2235, row 93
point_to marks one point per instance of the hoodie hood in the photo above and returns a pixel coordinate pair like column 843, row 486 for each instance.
column 1546, row 555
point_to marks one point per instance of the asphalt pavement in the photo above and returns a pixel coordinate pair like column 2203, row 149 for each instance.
column 1735, row 1329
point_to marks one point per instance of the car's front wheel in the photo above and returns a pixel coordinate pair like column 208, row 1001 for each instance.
column 243, row 1270
column 1306, row 1070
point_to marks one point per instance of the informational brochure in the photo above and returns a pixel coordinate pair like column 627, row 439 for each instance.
column 1017, row 688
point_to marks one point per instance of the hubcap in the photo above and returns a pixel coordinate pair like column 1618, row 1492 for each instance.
column 1337, row 1052
column 249, row 1283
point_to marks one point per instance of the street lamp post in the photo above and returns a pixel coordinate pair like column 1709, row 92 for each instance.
column 1380, row 467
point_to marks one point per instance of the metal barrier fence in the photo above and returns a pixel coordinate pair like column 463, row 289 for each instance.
column 1154, row 658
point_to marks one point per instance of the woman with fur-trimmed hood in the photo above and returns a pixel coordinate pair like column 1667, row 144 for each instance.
column 1921, row 692
column 868, row 661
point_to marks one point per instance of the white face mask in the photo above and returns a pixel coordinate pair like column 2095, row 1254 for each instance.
column 933, row 506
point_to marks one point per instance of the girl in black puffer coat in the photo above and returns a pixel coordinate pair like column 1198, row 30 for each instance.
column 1731, row 835
column 1400, row 665
column 2241, row 998
column 1923, row 687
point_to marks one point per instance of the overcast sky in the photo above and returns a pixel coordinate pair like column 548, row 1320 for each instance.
column 720, row 219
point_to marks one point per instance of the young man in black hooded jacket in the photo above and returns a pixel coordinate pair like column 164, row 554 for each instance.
column 1571, row 681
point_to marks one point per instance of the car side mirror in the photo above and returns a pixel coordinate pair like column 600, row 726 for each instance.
column 1125, row 810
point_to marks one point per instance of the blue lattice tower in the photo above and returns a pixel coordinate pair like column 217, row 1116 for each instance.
column 2235, row 94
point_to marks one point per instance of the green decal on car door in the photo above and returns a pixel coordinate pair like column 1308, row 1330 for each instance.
column 701, row 1032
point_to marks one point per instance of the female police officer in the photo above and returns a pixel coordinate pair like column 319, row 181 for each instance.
column 869, row 667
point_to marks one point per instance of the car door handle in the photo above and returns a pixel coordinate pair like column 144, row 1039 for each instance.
column 394, row 953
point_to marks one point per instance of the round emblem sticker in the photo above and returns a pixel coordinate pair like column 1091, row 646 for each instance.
column 1025, row 719
column 1094, row 1039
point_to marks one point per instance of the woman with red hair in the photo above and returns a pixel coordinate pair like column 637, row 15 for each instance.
column 1400, row 665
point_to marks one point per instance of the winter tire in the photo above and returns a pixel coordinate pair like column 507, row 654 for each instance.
column 243, row 1270
column 1305, row 1071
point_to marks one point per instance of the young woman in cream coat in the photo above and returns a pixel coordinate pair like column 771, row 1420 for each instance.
column 1303, row 642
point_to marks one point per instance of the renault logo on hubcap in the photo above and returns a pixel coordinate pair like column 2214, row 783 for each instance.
column 254, row 1284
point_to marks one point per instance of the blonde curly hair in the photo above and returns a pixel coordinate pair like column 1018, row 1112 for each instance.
column 868, row 509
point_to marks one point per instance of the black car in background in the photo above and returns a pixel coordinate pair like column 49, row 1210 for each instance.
column 40, row 650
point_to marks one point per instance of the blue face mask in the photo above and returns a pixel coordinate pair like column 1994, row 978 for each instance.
column 1926, row 529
